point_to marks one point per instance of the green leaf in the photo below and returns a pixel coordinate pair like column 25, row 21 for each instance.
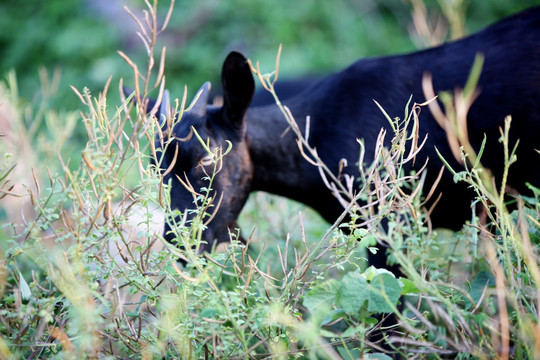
column 377, row 356
column 384, row 293
column 349, row 354
column 332, row 316
column 353, row 292
column 26, row 293
column 353, row 331
column 408, row 287
column 480, row 281
column 327, row 333
column 321, row 297
column 368, row 241
column 372, row 271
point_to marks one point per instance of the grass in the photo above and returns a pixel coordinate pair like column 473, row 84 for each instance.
column 85, row 272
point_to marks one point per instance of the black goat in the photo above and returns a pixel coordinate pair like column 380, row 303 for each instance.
column 342, row 109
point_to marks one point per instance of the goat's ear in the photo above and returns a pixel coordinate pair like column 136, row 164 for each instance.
column 164, row 108
column 238, row 88
column 200, row 101
column 127, row 93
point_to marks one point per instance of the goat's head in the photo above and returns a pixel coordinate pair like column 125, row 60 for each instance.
column 189, row 166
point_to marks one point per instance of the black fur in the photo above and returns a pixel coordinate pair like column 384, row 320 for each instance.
column 342, row 109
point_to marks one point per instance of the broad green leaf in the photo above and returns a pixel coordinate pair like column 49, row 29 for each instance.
column 385, row 291
column 321, row 297
column 353, row 293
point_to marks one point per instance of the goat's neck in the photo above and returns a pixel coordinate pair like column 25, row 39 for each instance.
column 278, row 165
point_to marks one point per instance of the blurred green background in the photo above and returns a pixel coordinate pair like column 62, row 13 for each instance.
column 81, row 37
column 78, row 40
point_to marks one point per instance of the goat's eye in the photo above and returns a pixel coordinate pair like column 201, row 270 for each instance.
column 207, row 160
